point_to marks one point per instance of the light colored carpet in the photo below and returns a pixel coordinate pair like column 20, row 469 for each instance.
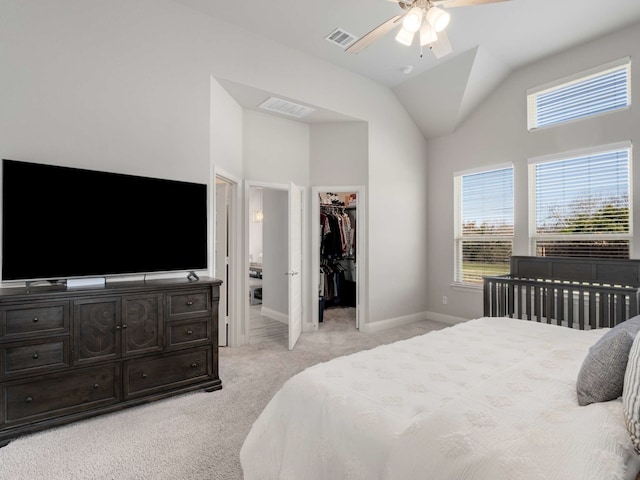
column 191, row 436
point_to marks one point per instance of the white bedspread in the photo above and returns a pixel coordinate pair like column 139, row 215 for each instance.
column 488, row 399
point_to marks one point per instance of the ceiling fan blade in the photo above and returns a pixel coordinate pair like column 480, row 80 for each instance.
column 442, row 46
column 464, row 3
column 381, row 30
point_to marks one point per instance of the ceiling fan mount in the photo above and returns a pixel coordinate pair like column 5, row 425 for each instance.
column 404, row 5
column 423, row 17
column 408, row 4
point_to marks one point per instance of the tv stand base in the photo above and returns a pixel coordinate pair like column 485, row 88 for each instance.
column 86, row 282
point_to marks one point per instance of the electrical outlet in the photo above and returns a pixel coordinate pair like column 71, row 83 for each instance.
column 445, row 300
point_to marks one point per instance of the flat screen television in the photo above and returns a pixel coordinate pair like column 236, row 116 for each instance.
column 60, row 223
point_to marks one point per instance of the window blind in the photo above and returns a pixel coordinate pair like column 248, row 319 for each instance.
column 484, row 230
column 582, row 206
column 589, row 95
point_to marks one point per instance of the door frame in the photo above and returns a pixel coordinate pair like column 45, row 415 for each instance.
column 295, row 206
column 361, row 265
column 233, row 287
column 248, row 184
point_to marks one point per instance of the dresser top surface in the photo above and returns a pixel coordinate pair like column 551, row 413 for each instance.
column 117, row 287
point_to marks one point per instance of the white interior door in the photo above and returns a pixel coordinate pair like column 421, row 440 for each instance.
column 295, row 263
column 222, row 259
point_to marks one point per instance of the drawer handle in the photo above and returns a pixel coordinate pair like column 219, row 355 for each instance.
column 35, row 355
column 96, row 385
column 189, row 332
column 28, row 399
column 124, row 326
column 144, row 375
column 117, row 327
column 189, row 303
column 35, row 319
column 194, row 365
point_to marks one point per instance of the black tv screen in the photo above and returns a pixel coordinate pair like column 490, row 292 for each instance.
column 60, row 222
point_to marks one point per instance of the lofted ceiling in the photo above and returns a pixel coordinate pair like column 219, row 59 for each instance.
column 489, row 41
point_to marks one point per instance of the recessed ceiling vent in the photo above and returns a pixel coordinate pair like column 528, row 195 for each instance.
column 341, row 38
column 285, row 107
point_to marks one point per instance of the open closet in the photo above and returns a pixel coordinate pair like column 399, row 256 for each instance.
column 338, row 254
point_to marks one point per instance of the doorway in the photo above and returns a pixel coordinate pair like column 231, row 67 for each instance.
column 338, row 271
column 273, row 251
column 225, row 252
column 268, row 296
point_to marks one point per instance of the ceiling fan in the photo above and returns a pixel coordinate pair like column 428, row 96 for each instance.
column 425, row 17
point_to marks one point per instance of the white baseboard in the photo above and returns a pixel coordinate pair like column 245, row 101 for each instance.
column 407, row 319
column 393, row 322
column 279, row 316
column 449, row 319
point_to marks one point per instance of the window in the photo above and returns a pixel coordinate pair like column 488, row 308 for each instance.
column 603, row 89
column 484, row 223
column 581, row 204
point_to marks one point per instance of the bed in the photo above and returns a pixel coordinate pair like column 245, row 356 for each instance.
column 488, row 399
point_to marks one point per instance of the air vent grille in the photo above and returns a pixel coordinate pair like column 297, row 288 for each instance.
column 285, row 107
column 341, row 38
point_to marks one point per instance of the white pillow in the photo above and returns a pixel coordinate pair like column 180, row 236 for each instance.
column 631, row 394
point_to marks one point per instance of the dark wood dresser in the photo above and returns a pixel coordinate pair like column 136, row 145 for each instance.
column 71, row 354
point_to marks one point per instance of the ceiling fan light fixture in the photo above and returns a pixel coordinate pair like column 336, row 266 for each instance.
column 413, row 19
column 405, row 37
column 438, row 18
column 442, row 47
column 427, row 34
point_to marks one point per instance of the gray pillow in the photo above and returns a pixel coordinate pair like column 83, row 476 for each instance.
column 601, row 376
column 630, row 404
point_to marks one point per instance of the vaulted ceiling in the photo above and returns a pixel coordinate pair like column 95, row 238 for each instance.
column 489, row 41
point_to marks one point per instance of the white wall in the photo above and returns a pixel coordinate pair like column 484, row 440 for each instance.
column 255, row 228
column 275, row 294
column 225, row 131
column 126, row 86
column 496, row 133
column 105, row 85
column 397, row 226
column 339, row 153
column 276, row 149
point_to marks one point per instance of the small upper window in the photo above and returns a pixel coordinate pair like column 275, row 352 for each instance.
column 599, row 90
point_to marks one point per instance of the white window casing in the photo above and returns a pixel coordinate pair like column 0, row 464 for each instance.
column 580, row 203
column 599, row 90
column 483, row 223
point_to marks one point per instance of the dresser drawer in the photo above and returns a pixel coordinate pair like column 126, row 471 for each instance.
column 142, row 377
column 35, row 319
column 191, row 332
column 62, row 394
column 35, row 356
column 196, row 302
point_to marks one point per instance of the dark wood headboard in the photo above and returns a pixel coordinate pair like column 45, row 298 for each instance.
column 574, row 292
column 622, row 272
